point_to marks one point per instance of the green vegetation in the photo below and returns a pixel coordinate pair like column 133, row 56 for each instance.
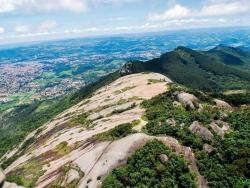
column 16, row 100
column 131, row 99
column 62, row 149
column 160, row 109
column 154, row 81
column 136, row 122
column 236, row 99
column 123, row 90
column 228, row 164
column 81, row 119
column 127, row 89
column 116, row 133
column 145, row 169
column 64, row 174
column 199, row 70
column 119, row 111
column 27, row 174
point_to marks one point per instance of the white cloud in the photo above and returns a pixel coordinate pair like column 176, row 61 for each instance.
column 42, row 28
column 210, row 8
column 71, row 5
column 48, row 5
column 6, row 6
column 177, row 11
column 22, row 28
column 224, row 8
column 47, row 25
column 113, row 2
column 116, row 19
column 2, row 30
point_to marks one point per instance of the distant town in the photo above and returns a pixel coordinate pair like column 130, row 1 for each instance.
column 51, row 69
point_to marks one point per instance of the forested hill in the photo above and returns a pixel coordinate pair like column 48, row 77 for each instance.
column 221, row 68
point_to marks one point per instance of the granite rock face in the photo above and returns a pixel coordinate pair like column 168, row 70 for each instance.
column 2, row 178
column 163, row 158
column 202, row 131
column 222, row 104
column 220, row 128
column 188, row 100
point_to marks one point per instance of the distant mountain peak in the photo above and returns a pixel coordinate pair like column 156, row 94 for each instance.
column 196, row 69
column 182, row 48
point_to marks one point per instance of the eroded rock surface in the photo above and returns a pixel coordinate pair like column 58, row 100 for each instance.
column 2, row 178
column 220, row 127
column 208, row 148
column 222, row 104
column 202, row 131
column 163, row 158
column 188, row 100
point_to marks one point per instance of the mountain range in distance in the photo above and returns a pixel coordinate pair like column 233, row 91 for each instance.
column 221, row 68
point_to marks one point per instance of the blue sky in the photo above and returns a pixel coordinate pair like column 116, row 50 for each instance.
column 29, row 20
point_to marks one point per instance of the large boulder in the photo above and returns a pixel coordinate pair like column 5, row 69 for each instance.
column 163, row 158
column 202, row 131
column 188, row 100
column 171, row 122
column 208, row 148
column 222, row 104
column 220, row 127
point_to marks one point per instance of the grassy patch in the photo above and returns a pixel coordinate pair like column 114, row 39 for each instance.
column 62, row 149
column 58, row 183
column 136, row 122
column 81, row 119
column 116, row 133
column 131, row 99
column 27, row 174
column 119, row 111
column 127, row 88
column 154, row 81
column 123, row 90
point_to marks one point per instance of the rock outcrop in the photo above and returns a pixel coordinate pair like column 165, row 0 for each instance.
column 163, row 158
column 220, row 128
column 208, row 148
column 2, row 178
column 171, row 122
column 188, row 100
column 222, row 104
column 202, row 131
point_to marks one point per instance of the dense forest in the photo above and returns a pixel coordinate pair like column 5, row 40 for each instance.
column 203, row 70
column 145, row 169
column 228, row 164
